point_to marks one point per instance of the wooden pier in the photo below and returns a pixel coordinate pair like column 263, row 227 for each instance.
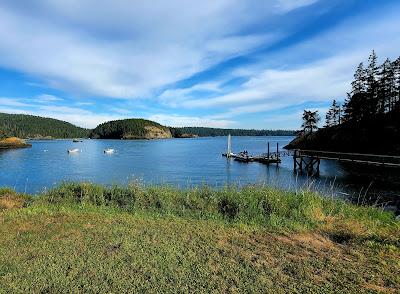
column 309, row 160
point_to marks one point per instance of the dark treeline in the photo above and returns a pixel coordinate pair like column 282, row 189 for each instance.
column 369, row 118
column 375, row 94
column 375, row 91
column 30, row 126
column 213, row 132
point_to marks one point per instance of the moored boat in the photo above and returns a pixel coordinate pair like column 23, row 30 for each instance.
column 109, row 151
column 75, row 150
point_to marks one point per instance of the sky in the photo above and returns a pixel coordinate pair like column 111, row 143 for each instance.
column 212, row 63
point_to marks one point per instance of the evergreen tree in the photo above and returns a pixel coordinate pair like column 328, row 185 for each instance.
column 337, row 113
column 328, row 119
column 386, row 89
column 396, row 77
column 310, row 121
column 334, row 115
column 360, row 79
column 370, row 107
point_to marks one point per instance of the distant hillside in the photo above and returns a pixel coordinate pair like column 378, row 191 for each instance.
column 212, row 132
column 130, row 129
column 30, row 126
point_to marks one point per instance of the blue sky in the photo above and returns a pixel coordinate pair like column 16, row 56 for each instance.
column 216, row 63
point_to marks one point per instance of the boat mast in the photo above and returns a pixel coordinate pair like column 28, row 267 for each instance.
column 228, row 154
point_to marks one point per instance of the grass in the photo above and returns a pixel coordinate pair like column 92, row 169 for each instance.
column 81, row 237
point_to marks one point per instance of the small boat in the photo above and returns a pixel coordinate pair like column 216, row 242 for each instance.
column 73, row 150
column 109, row 151
column 77, row 140
column 243, row 158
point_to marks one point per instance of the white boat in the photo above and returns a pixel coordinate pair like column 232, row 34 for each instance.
column 73, row 150
column 109, row 150
column 229, row 152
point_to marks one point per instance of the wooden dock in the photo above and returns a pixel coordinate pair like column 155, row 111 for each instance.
column 309, row 160
column 265, row 158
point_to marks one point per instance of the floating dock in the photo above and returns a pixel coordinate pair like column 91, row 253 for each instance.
column 265, row 158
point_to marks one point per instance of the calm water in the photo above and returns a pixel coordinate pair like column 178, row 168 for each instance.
column 182, row 162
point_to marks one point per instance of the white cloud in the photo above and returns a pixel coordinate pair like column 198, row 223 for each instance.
column 46, row 98
column 78, row 116
column 288, row 5
column 126, row 49
column 319, row 80
column 15, row 102
column 190, row 121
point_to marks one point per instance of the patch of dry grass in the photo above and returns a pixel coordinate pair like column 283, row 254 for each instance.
column 86, row 238
column 63, row 249
column 11, row 200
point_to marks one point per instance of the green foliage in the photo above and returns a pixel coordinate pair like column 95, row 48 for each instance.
column 260, row 205
column 29, row 126
column 213, row 132
column 124, row 129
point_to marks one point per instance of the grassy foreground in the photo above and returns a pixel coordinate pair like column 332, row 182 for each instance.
column 90, row 238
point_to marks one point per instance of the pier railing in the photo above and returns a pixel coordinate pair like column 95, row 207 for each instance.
column 372, row 159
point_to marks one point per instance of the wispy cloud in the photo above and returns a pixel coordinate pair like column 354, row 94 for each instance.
column 175, row 120
column 16, row 102
column 136, row 48
column 209, row 63
column 46, row 98
column 320, row 79
column 288, row 5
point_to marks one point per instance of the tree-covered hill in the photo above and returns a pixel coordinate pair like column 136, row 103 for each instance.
column 369, row 119
column 207, row 132
column 130, row 129
column 30, row 126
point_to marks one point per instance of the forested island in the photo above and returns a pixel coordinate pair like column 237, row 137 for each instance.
column 36, row 127
column 369, row 119
column 130, row 129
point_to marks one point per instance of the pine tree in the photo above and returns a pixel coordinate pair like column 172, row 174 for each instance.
column 372, row 86
column 360, row 79
column 328, row 119
column 337, row 113
column 386, row 87
column 310, row 121
column 334, row 115
column 396, row 77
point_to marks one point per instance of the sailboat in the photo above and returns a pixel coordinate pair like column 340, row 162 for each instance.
column 229, row 152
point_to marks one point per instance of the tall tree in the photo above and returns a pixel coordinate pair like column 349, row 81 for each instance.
column 386, row 89
column 372, row 86
column 337, row 112
column 329, row 118
column 310, row 121
column 360, row 80
column 396, row 76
